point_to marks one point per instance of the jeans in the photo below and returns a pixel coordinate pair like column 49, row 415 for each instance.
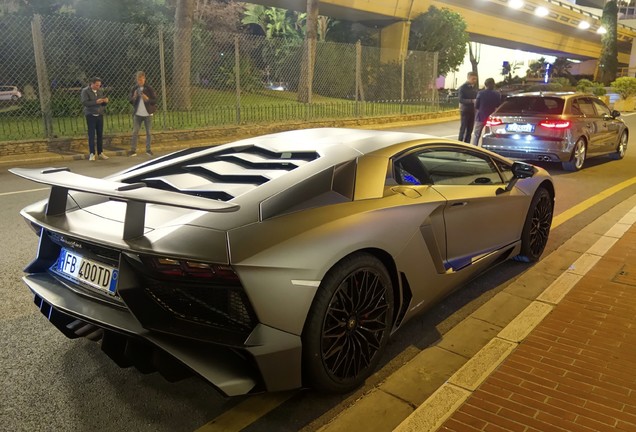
column 479, row 127
column 137, row 120
column 467, row 118
column 95, row 129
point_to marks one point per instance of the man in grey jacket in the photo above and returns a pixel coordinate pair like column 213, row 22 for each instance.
column 94, row 103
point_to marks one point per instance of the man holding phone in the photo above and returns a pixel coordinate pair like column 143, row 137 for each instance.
column 94, row 102
column 144, row 99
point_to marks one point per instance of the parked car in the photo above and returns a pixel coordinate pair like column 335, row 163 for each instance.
column 556, row 127
column 10, row 93
column 279, row 261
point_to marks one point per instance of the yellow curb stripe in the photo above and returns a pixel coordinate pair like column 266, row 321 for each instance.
column 246, row 412
column 584, row 205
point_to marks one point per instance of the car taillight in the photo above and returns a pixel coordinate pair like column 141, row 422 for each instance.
column 493, row 121
column 171, row 267
column 555, row 124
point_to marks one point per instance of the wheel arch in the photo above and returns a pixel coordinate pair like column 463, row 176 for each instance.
column 400, row 287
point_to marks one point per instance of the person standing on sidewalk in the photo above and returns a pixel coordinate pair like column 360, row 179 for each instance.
column 486, row 103
column 144, row 99
column 467, row 95
column 94, row 102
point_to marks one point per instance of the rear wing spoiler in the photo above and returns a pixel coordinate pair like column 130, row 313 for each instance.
column 135, row 195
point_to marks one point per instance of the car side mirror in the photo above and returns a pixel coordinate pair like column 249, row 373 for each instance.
column 520, row 170
column 523, row 170
column 615, row 114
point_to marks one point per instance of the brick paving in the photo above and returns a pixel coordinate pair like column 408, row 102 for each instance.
column 576, row 371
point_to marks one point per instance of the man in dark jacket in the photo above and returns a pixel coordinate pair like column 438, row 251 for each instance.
column 144, row 99
column 94, row 102
column 487, row 102
column 467, row 95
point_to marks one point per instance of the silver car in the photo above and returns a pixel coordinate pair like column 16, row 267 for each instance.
column 555, row 127
column 11, row 93
column 280, row 261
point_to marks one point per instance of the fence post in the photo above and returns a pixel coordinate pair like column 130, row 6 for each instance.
column 402, row 62
column 359, row 89
column 44, row 88
column 237, row 74
column 162, row 62
column 434, row 86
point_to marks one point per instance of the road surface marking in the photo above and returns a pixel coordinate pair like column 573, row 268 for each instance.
column 246, row 412
column 593, row 200
column 23, row 191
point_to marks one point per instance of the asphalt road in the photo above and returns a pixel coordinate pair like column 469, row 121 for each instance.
column 48, row 382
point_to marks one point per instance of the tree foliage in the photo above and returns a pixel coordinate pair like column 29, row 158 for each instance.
column 608, row 62
column 442, row 31
column 275, row 22
column 625, row 86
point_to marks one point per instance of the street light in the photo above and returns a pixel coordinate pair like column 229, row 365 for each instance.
column 601, row 30
column 515, row 4
column 541, row 11
column 584, row 25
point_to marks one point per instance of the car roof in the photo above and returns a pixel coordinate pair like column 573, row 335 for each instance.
column 326, row 141
column 563, row 94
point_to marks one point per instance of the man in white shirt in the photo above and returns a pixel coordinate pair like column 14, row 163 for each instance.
column 144, row 100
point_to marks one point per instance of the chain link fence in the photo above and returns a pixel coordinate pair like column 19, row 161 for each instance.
column 234, row 79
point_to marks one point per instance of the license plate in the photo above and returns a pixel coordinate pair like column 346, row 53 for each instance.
column 514, row 127
column 81, row 269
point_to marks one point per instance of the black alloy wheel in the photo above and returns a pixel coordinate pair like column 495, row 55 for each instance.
column 349, row 324
column 536, row 229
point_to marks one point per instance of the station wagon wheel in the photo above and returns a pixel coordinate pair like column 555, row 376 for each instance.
column 349, row 323
column 621, row 147
column 536, row 228
column 578, row 157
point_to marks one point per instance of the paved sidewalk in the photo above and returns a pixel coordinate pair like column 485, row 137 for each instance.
column 566, row 363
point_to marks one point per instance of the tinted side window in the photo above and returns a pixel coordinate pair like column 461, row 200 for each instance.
column 601, row 108
column 532, row 105
column 587, row 108
column 458, row 167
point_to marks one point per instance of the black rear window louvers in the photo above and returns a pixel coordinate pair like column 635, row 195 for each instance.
column 224, row 174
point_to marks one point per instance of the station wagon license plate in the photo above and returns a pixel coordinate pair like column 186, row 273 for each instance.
column 515, row 127
column 81, row 269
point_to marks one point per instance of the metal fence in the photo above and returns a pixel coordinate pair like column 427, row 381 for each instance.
column 234, row 79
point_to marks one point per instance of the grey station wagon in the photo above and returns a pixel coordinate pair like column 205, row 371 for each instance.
column 555, row 127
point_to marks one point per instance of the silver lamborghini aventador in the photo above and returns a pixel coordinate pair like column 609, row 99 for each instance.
column 280, row 261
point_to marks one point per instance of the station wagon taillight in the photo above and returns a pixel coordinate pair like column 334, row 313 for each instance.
column 493, row 121
column 555, row 124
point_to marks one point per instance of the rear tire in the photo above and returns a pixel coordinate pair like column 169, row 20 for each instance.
column 536, row 229
column 578, row 157
column 621, row 147
column 349, row 323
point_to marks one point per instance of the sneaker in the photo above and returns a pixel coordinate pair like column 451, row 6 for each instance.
column 149, row 153
column 103, row 156
column 91, row 157
column 131, row 153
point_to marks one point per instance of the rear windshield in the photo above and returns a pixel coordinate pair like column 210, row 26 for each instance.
column 532, row 105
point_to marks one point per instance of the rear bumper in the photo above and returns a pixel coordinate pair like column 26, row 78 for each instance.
column 537, row 150
column 269, row 359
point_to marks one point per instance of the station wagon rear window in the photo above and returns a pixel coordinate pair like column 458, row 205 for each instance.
column 524, row 105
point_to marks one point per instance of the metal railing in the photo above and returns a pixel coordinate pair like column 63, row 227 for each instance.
column 234, row 79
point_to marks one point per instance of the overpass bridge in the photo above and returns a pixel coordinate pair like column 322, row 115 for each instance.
column 550, row 27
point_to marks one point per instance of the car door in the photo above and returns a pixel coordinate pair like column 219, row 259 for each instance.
column 610, row 125
column 479, row 216
column 595, row 124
